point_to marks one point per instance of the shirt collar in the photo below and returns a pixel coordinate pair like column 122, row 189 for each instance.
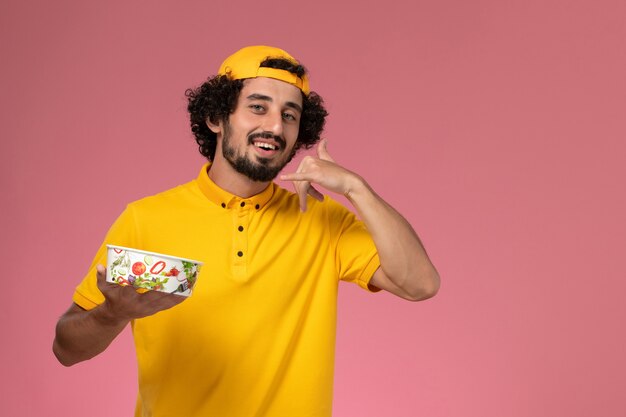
column 225, row 199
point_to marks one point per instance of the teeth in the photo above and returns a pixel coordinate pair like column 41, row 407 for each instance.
column 265, row 145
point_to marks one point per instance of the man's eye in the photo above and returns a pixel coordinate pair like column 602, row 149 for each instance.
column 289, row 116
column 257, row 107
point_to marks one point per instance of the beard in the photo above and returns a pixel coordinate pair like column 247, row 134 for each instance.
column 261, row 169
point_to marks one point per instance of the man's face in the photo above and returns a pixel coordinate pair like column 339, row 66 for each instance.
column 259, row 136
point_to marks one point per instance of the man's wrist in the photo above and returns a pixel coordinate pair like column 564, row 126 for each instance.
column 104, row 315
column 358, row 187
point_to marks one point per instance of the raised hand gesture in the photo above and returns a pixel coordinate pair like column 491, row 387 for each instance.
column 322, row 171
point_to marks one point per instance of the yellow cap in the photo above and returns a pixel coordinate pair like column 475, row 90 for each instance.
column 245, row 63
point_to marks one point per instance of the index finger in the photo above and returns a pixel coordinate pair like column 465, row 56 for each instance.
column 296, row 176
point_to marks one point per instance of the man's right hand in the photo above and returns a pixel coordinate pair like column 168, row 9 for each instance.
column 124, row 303
column 82, row 334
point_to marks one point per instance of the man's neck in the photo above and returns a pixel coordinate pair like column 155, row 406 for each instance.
column 228, row 179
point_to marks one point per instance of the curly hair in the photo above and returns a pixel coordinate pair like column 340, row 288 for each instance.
column 216, row 99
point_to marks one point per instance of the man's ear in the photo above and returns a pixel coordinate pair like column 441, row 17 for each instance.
column 214, row 127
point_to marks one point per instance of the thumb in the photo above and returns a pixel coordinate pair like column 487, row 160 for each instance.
column 101, row 271
column 101, row 274
column 322, row 151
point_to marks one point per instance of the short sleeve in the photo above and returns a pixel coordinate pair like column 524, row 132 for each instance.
column 356, row 256
column 122, row 233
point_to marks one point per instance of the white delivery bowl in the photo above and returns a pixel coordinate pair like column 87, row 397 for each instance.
column 151, row 271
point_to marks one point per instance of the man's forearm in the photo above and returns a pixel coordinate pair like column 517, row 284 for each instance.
column 402, row 256
column 81, row 334
column 405, row 268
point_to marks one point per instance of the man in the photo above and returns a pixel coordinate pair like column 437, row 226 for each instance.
column 257, row 336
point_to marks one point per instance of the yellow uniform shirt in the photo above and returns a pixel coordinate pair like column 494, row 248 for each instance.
column 257, row 336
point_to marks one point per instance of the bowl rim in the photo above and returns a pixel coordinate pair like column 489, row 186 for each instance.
column 162, row 255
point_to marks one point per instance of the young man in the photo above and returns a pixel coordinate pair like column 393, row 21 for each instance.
column 257, row 337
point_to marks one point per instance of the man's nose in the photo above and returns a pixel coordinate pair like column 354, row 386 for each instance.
column 273, row 122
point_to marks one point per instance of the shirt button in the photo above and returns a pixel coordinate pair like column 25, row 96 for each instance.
column 240, row 254
column 257, row 207
column 243, row 203
column 240, row 228
column 224, row 205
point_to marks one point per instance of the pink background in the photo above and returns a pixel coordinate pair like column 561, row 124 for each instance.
column 496, row 127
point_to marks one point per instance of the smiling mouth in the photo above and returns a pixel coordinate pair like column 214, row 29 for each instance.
column 266, row 142
column 266, row 146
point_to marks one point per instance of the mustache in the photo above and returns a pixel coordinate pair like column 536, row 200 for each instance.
column 267, row 135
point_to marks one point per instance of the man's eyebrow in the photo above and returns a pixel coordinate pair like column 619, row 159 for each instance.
column 256, row 96
column 294, row 106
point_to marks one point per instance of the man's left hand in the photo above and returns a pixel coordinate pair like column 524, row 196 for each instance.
column 323, row 171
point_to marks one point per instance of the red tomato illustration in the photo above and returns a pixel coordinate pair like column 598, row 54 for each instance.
column 173, row 273
column 139, row 268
